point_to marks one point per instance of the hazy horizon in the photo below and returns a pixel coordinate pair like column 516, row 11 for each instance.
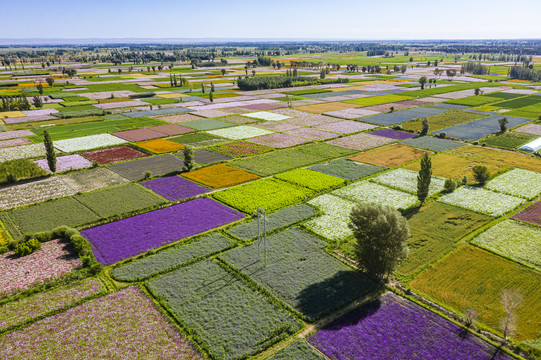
column 316, row 19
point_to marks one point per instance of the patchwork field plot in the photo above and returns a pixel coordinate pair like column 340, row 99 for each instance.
column 310, row 179
column 116, row 154
column 243, row 322
column 298, row 350
column 121, row 239
column 288, row 159
column 500, row 158
column 530, row 129
column 313, row 120
column 50, row 262
column 138, row 134
column 346, row 127
column 333, row 225
column 360, row 141
column 435, row 230
column 92, row 179
column 531, row 215
column 367, row 191
column 514, row 240
column 208, row 124
column 158, row 165
column 456, row 167
column 279, row 141
column 392, row 134
column 33, row 192
column 432, row 143
column 119, row 200
column 36, row 306
column 22, row 152
column 172, row 258
column 517, row 182
column 280, row 219
column 241, row 149
column 444, row 120
column 88, row 142
column 482, row 201
column 220, row 175
column 160, row 146
column 66, row 163
column 269, row 116
column 393, row 327
column 296, row 269
column 326, row 107
column 347, row 169
column 508, row 140
column 472, row 277
column 406, row 180
column 46, row 216
column 377, row 100
column 174, row 188
column 270, row 194
column 240, row 132
column 198, row 140
column 94, row 326
column 391, row 156
column 204, row 156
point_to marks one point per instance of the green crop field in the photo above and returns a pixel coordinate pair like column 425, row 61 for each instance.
column 321, row 283
column 119, row 200
column 289, row 159
column 172, row 258
column 46, row 216
column 435, row 230
column 271, row 194
column 225, row 316
column 94, row 128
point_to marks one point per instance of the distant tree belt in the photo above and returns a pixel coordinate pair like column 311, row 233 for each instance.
column 274, row 82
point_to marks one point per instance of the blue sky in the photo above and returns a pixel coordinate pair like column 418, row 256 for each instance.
column 344, row 19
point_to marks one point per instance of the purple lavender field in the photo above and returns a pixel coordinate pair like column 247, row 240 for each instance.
column 174, row 188
column 132, row 236
column 393, row 134
column 395, row 328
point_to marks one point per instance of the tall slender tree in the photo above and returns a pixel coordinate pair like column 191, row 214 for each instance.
column 49, row 149
column 423, row 179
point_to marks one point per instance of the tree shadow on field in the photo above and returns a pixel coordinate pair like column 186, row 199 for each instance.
column 321, row 298
column 408, row 213
column 353, row 317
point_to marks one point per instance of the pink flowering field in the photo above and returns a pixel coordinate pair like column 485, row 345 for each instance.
column 122, row 325
column 29, row 308
column 50, row 262
column 65, row 163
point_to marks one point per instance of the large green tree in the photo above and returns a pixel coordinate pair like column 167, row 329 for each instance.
column 423, row 178
column 381, row 233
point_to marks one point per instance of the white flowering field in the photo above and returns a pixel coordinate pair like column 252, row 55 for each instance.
column 374, row 193
column 406, row 180
column 334, row 224
column 240, row 132
column 515, row 240
column 517, row 182
column 264, row 115
column 88, row 142
column 482, row 201
column 22, row 152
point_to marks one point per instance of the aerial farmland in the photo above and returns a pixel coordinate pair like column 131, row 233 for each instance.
column 198, row 202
